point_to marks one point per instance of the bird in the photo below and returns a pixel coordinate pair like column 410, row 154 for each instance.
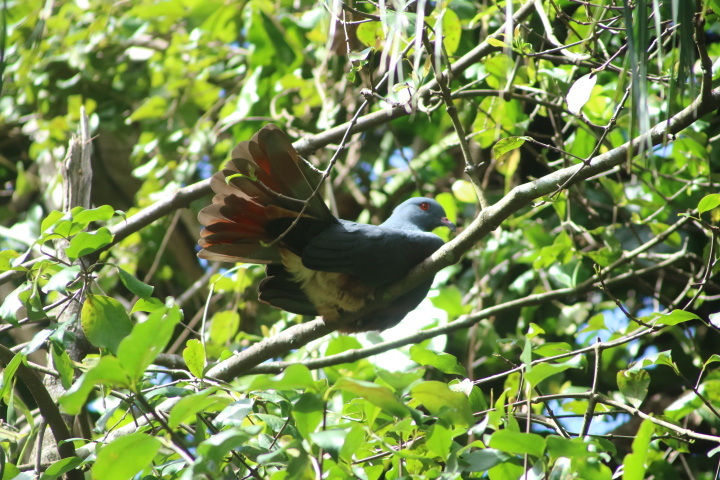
column 267, row 211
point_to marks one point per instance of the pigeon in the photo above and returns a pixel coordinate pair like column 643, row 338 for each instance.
column 267, row 211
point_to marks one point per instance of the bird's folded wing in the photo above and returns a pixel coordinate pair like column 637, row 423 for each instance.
column 374, row 255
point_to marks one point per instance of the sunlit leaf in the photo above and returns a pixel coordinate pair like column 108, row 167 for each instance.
column 506, row 145
column 205, row 401
column 125, row 457
column 294, row 377
column 545, row 370
column 147, row 340
column 634, row 463
column 676, row 316
column 444, row 362
column 104, row 321
column 194, row 356
column 108, row 372
column 709, row 202
column 60, row 467
column 85, row 243
column 376, row 394
column 443, row 402
column 633, row 385
column 134, row 284
column 8, row 375
column 6, row 257
column 518, row 443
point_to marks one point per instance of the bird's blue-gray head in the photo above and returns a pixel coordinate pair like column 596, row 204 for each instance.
column 419, row 213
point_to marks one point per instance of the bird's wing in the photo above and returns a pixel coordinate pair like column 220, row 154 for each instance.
column 374, row 255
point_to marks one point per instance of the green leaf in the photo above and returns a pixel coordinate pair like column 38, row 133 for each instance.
column 59, row 281
column 604, row 256
column 464, row 191
column 450, row 31
column 330, row 440
column 85, row 243
column 194, row 355
column 234, row 414
column 562, row 447
column 713, row 358
column 481, row 460
column 146, row 341
column 400, row 380
column 83, row 217
column 676, row 316
column 541, row 371
column 439, row 440
column 224, row 326
column 152, row 107
column 444, row 403
column 370, row 33
column 37, row 342
column 340, row 344
column 107, row 372
column 506, row 145
column 550, row 349
column 215, row 449
column 634, row 463
column 526, row 357
column 63, row 365
column 378, row 395
column 137, row 287
column 104, row 321
column 633, row 385
column 596, row 323
column 533, row 331
column 709, row 202
column 294, row 377
column 60, row 467
column 6, row 257
column 660, row 358
column 14, row 302
column 125, row 457
column 658, row 228
column 497, row 43
column 308, row 413
column 147, row 305
column 52, row 218
column 274, row 423
column 518, row 443
column 444, row 362
column 354, row 439
column 477, row 400
column 9, row 374
column 190, row 405
column 591, row 469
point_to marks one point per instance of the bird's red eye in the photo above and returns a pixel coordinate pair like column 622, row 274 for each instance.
column 424, row 206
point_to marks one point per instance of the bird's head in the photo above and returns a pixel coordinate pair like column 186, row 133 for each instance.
column 420, row 213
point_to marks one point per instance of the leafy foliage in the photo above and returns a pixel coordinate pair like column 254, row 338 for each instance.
column 570, row 333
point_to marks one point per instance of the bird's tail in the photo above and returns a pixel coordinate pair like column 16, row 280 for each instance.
column 261, row 183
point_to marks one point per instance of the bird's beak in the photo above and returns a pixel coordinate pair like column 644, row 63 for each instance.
column 448, row 223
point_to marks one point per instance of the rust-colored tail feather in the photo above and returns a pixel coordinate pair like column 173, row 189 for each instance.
column 262, row 178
